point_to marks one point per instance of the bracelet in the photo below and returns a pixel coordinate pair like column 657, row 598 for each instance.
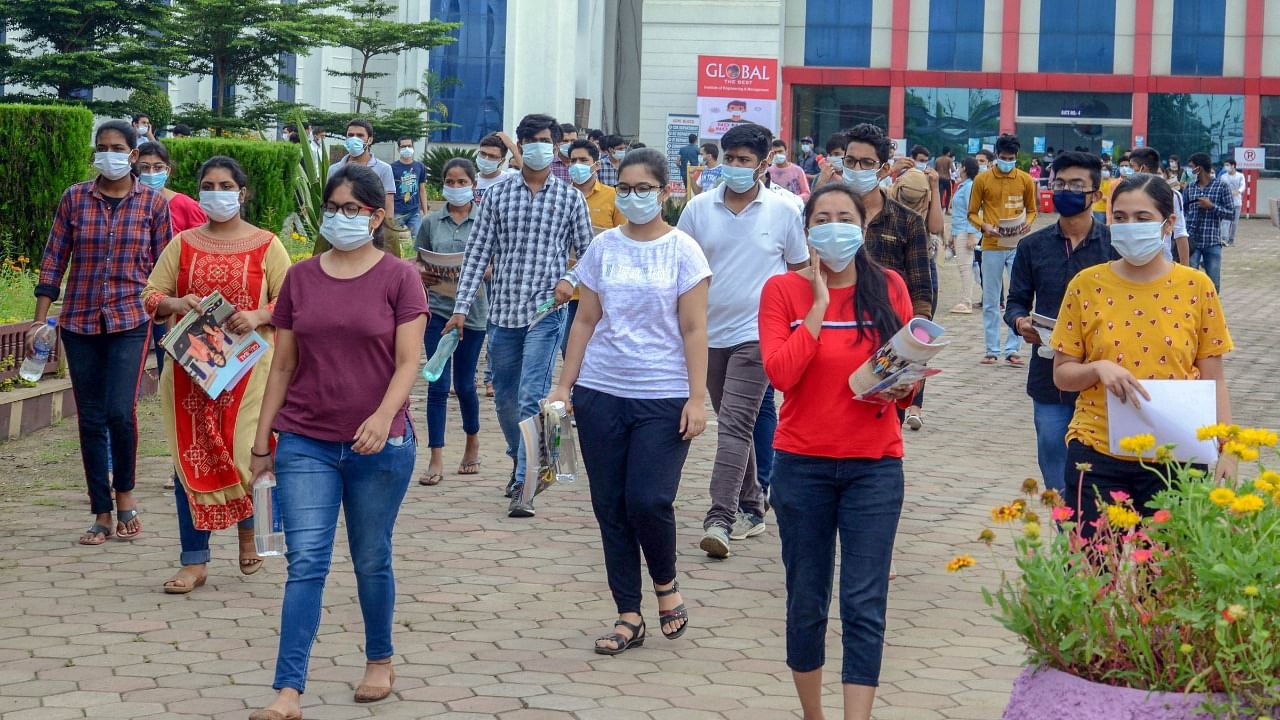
column 257, row 454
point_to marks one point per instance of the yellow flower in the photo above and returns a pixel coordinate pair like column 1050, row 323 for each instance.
column 1186, row 648
column 1253, row 437
column 1030, row 486
column 1138, row 444
column 1247, row 504
column 1031, row 530
column 1240, row 450
column 1164, row 454
column 1122, row 517
column 987, row 536
column 1268, row 481
column 1018, row 505
column 1222, row 496
column 1003, row 514
column 1251, row 590
column 1030, row 517
column 1219, row 431
column 960, row 562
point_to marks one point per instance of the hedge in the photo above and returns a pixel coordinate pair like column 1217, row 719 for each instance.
column 49, row 149
column 272, row 167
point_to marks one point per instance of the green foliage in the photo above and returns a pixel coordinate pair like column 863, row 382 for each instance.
column 273, row 169
column 436, row 157
column 154, row 102
column 18, row 278
column 309, row 191
column 432, row 87
column 370, row 32
column 50, row 149
column 671, row 210
column 387, row 127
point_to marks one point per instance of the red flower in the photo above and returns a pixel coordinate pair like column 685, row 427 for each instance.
column 1162, row 516
column 1062, row 513
column 1141, row 556
column 1119, row 496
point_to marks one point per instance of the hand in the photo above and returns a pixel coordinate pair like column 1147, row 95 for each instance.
column 31, row 335
column 1226, row 469
column 1027, row 330
column 1120, row 382
column 970, row 242
column 933, row 177
column 189, row 303
column 371, row 436
column 1205, row 203
column 825, row 172
column 693, row 419
column 564, row 292
column 246, row 321
column 560, row 394
column 896, row 394
column 818, row 281
column 902, row 165
column 260, row 465
column 989, row 229
column 456, row 322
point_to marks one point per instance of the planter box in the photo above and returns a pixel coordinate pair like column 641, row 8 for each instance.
column 13, row 341
column 1041, row 693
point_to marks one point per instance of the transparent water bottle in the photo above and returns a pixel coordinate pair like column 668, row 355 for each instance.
column 268, row 524
column 41, row 347
column 434, row 368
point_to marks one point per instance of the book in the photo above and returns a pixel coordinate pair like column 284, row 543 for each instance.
column 901, row 362
column 213, row 355
column 447, row 266
column 550, row 453
column 1043, row 325
column 1012, row 230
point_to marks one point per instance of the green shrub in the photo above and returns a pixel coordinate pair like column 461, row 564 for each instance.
column 272, row 167
column 153, row 101
column 49, row 149
column 436, row 158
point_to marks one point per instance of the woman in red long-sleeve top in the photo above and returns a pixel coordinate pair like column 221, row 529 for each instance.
column 839, row 460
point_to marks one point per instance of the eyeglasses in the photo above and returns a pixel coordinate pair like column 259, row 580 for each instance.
column 862, row 163
column 1073, row 186
column 348, row 210
column 148, row 168
column 643, row 190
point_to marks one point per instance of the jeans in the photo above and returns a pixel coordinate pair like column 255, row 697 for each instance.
column 994, row 265
column 572, row 308
column 523, row 360
column 1229, row 226
column 634, row 455
column 411, row 220
column 105, row 372
column 1209, row 259
column 1105, row 475
column 814, row 498
column 463, row 366
column 736, row 383
column 313, row 478
column 1051, row 420
column 762, row 438
column 195, row 543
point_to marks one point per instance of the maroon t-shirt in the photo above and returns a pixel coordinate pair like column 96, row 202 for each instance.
column 346, row 335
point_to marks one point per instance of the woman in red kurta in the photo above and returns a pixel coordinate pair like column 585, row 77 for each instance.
column 839, row 460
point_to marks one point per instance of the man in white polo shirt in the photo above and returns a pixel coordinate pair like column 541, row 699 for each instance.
column 748, row 234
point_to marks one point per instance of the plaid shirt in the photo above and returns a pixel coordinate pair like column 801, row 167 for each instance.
column 528, row 237
column 896, row 239
column 1204, row 226
column 608, row 172
column 113, row 251
column 560, row 170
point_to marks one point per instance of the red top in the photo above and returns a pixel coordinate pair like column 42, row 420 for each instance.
column 185, row 213
column 819, row 416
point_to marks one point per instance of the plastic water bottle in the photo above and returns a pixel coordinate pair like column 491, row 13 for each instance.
column 434, row 368
column 41, row 346
column 268, row 525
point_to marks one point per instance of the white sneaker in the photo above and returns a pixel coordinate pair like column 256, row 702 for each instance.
column 746, row 526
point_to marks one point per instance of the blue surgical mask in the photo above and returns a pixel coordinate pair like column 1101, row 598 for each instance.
column 836, row 244
column 638, row 210
column 983, row 167
column 806, row 148
column 355, row 146
column 1139, row 242
column 564, row 149
column 487, row 166
column 779, row 159
column 1106, row 174
column 406, row 152
column 537, row 155
column 155, row 181
column 619, row 154
column 1006, row 165
column 921, row 166
column 861, row 181
column 837, row 163
column 579, row 173
column 459, row 196
column 1125, row 171
column 738, row 179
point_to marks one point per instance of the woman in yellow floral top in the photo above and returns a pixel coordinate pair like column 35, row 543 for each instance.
column 1138, row 318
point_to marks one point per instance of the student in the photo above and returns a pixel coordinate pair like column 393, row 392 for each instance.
column 560, row 164
column 1233, row 179
column 637, row 369
column 1208, row 202
column 490, row 157
column 208, row 439
column 359, row 145
column 1147, row 160
column 142, row 127
column 689, row 155
column 612, row 149
column 945, row 166
column 815, row 325
column 964, row 236
column 808, row 160
column 710, row 177
column 349, row 326
column 584, row 161
column 447, row 231
column 1096, row 354
column 411, row 187
column 831, row 167
column 785, row 173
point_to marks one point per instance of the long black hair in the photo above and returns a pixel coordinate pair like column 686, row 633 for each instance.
column 871, row 302
column 367, row 190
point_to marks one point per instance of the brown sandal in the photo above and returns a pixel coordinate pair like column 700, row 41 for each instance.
column 190, row 581
column 369, row 694
column 250, row 563
column 273, row 715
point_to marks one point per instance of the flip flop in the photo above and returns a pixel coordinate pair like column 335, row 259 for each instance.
column 1015, row 360
column 989, row 360
column 469, row 468
column 430, row 480
column 95, row 530
column 123, row 518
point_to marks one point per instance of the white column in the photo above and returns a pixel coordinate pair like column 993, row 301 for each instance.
column 589, row 49
column 1271, row 38
column 793, row 32
column 1028, row 36
column 1233, row 40
column 1162, row 37
column 1122, row 60
column 881, row 33
column 918, row 36
column 540, row 59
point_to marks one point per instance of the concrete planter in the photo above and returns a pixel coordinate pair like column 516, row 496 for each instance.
column 13, row 341
column 1041, row 693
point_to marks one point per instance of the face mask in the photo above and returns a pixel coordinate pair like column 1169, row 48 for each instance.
column 459, row 196
column 112, row 165
column 1125, row 171
column 921, row 165
column 220, row 205
column 1139, row 242
column 487, row 166
column 579, row 173
column 564, row 149
column 1106, row 174
column 861, row 181
column 779, row 159
column 738, row 179
column 155, row 181
column 836, row 243
column 143, row 130
column 638, row 210
column 806, row 148
column 346, row 234
column 837, row 163
column 406, row 153
column 982, row 167
column 619, row 154
column 1070, row 204
column 354, row 146
column 537, row 155
column 1006, row 165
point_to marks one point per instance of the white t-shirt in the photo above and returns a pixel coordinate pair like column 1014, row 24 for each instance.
column 1234, row 183
column 744, row 251
column 637, row 350
column 484, row 183
column 382, row 169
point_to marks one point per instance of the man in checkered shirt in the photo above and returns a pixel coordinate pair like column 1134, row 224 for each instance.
column 527, row 228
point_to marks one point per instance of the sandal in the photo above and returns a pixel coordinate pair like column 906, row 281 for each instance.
column 123, row 518
column 184, row 581
column 469, row 468
column 989, row 360
column 96, row 529
column 675, row 614
column 1015, row 360
column 430, row 480
column 370, row 693
column 249, row 563
column 488, row 390
column 622, row 642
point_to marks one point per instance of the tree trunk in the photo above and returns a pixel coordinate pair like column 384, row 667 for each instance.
column 364, row 68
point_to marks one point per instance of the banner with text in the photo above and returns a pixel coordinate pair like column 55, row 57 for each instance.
column 679, row 128
column 736, row 90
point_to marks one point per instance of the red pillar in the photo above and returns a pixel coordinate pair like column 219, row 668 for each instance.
column 1143, row 19
column 1009, row 64
column 899, row 37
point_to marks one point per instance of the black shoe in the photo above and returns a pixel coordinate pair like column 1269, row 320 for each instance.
column 511, row 486
column 518, row 508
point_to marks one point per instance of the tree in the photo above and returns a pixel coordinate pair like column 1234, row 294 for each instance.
column 427, row 94
column 370, row 33
column 66, row 48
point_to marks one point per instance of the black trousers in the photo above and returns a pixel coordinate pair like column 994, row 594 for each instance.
column 1106, row 474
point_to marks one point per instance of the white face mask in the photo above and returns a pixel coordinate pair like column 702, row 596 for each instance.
column 861, row 181
column 406, row 152
column 1138, row 242
column 487, row 166
column 458, row 196
column 220, row 205
column 346, row 234
column 112, row 165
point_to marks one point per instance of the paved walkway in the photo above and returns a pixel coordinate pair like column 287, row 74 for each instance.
column 496, row 617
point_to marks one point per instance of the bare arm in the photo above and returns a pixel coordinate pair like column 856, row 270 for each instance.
column 692, row 310
column 1070, row 374
column 284, row 363
column 934, row 220
column 1184, row 249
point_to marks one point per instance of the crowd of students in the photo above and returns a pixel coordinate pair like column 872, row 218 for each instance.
column 777, row 276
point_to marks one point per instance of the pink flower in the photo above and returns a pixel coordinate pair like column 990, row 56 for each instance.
column 1062, row 513
column 1162, row 516
column 1142, row 556
column 1119, row 496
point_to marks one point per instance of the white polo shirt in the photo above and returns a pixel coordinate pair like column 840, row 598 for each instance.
column 744, row 251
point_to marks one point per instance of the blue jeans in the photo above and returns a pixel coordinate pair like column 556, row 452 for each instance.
column 814, row 498
column 313, row 478
column 1051, row 420
column 762, row 438
column 106, row 369
column 463, row 366
column 1209, row 259
column 195, row 543
column 411, row 220
column 994, row 265
column 523, row 360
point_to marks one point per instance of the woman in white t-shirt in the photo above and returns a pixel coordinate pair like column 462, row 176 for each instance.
column 637, row 368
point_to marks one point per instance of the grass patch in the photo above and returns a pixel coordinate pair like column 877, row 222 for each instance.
column 17, row 290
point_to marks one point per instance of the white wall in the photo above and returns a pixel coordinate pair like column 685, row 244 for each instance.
column 881, row 33
column 1233, row 42
column 1271, row 38
column 1162, row 37
column 1028, row 37
column 993, row 34
column 918, row 36
column 1125, row 27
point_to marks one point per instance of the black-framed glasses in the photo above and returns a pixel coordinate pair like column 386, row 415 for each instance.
column 642, row 190
column 862, row 163
column 349, row 210
column 1073, row 186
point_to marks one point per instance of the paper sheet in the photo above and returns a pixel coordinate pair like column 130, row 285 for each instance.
column 1176, row 409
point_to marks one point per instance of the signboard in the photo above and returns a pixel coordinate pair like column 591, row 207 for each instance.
column 679, row 128
column 1108, row 146
column 1254, row 158
column 1038, row 144
column 736, row 90
column 1139, row 141
column 975, row 144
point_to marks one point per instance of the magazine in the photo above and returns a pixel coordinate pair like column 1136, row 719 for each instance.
column 1012, row 230
column 215, row 357
column 550, row 453
column 1044, row 325
column 902, row 362
column 447, row 266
